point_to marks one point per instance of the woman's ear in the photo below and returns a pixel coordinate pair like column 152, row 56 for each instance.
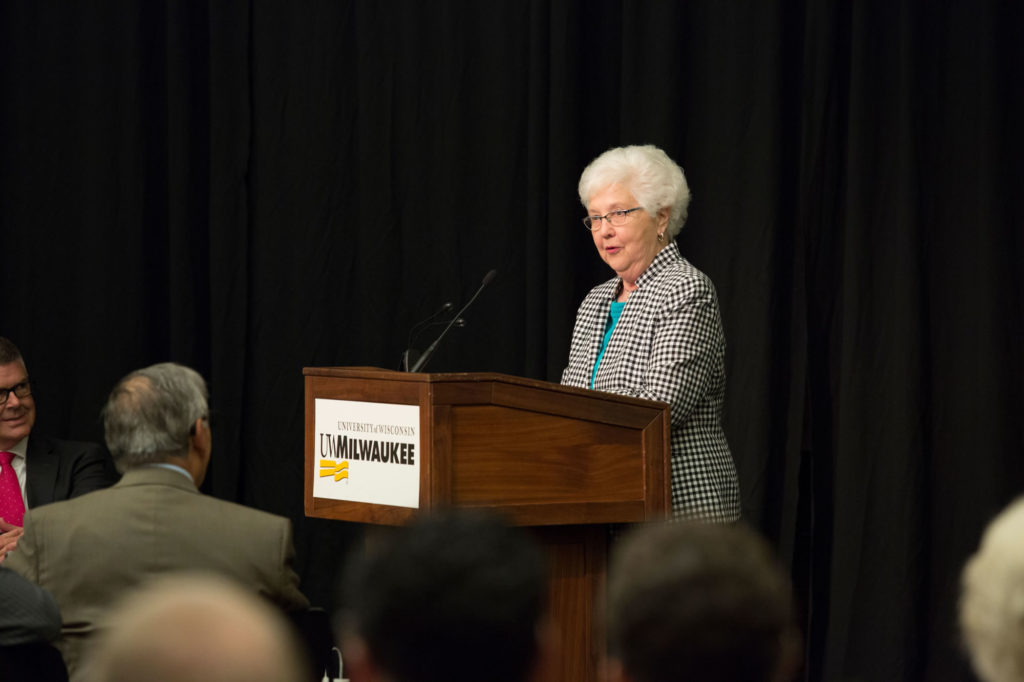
column 663, row 216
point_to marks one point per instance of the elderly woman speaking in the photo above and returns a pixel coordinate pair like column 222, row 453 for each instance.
column 653, row 331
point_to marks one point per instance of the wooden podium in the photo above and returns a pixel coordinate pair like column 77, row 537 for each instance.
column 563, row 461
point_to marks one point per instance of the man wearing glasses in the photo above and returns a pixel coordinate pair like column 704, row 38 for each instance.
column 38, row 470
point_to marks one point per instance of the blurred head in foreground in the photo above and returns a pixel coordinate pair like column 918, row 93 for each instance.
column 455, row 596
column 691, row 601
column 191, row 627
column 992, row 599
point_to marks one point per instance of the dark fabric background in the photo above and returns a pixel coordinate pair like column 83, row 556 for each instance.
column 254, row 187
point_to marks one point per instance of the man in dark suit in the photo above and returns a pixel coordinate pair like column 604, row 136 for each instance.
column 29, row 621
column 91, row 550
column 29, row 614
column 37, row 470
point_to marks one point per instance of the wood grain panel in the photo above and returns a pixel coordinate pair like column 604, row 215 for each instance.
column 563, row 461
column 578, row 563
column 509, row 456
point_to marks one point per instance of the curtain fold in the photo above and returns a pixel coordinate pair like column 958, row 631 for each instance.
column 255, row 187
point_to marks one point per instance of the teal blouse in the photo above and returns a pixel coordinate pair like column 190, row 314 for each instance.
column 613, row 319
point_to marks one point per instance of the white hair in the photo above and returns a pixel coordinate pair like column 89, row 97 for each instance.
column 992, row 599
column 193, row 626
column 648, row 173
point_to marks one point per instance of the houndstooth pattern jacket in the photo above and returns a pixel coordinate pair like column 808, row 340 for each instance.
column 668, row 345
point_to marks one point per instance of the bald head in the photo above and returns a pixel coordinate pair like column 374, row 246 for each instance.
column 189, row 628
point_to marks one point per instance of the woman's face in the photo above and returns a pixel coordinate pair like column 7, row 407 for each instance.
column 628, row 249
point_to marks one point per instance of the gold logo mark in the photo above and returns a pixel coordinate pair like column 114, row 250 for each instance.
column 329, row 467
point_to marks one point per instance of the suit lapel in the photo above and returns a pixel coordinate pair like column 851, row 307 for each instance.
column 41, row 471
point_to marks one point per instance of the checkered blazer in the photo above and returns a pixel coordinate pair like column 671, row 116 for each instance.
column 668, row 345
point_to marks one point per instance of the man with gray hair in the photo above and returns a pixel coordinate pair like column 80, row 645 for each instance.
column 90, row 550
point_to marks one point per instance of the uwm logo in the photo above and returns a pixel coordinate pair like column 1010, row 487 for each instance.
column 328, row 467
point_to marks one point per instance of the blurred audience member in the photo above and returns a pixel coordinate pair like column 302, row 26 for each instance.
column 992, row 599
column 691, row 601
column 29, row 621
column 186, row 628
column 29, row 613
column 455, row 596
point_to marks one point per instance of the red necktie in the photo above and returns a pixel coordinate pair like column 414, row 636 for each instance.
column 12, row 507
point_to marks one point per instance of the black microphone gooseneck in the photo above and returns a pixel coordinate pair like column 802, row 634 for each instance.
column 458, row 316
column 418, row 328
column 423, row 324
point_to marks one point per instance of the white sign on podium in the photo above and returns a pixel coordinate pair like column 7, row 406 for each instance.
column 367, row 452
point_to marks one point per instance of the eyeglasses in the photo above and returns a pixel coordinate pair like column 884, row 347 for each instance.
column 615, row 218
column 22, row 390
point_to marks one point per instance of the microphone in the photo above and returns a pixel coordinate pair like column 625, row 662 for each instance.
column 418, row 328
column 447, row 306
column 410, row 355
column 458, row 319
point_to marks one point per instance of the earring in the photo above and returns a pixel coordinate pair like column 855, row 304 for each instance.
column 661, row 236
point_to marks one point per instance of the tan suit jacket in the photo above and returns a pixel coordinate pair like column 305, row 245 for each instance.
column 91, row 550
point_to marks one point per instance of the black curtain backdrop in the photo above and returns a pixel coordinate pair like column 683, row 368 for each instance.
column 254, row 187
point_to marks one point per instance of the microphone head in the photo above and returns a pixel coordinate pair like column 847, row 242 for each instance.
column 459, row 322
column 488, row 277
column 445, row 308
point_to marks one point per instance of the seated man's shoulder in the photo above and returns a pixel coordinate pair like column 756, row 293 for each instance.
column 233, row 511
column 61, row 469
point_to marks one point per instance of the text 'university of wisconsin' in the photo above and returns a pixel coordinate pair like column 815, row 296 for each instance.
column 389, row 452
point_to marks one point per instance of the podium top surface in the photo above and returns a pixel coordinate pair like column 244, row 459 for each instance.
column 377, row 374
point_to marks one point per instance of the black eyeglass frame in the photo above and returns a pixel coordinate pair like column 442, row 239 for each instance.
column 593, row 222
column 21, row 389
